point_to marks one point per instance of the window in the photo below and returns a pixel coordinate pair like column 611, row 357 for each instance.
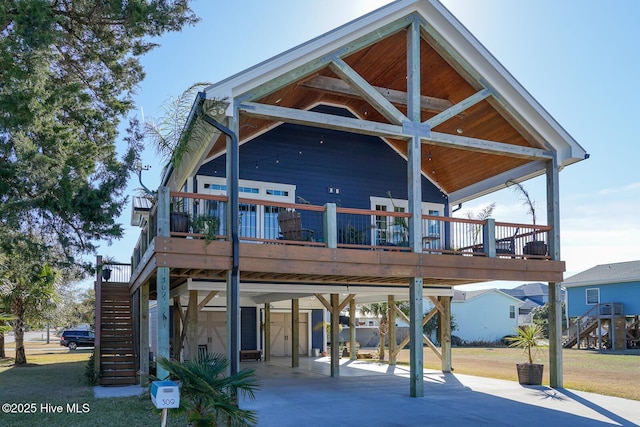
column 512, row 312
column 256, row 220
column 388, row 229
column 593, row 296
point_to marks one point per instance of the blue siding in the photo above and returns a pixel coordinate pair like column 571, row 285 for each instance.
column 248, row 328
column 315, row 159
column 626, row 293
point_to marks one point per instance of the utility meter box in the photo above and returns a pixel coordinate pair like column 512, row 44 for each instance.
column 165, row 394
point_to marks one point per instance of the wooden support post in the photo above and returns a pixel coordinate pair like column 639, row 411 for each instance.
column 162, row 283
column 267, row 332
column 555, row 300
column 330, row 225
column 233, row 222
column 192, row 325
column 445, row 333
column 335, row 336
column 416, row 357
column 353, row 350
column 144, row 333
column 163, row 318
column 489, row 237
column 177, row 332
column 391, row 316
column 295, row 333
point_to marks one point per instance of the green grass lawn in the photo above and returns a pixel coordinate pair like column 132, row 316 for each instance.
column 57, row 378
column 609, row 373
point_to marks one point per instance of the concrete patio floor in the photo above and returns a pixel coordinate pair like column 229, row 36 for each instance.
column 374, row 394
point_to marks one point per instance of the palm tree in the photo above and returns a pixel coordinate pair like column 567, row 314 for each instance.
column 379, row 310
column 207, row 395
column 4, row 317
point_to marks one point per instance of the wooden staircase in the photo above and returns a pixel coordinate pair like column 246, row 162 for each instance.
column 117, row 350
column 588, row 322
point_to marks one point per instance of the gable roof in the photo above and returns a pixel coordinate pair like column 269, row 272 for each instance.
column 362, row 66
column 528, row 289
column 464, row 296
column 606, row 274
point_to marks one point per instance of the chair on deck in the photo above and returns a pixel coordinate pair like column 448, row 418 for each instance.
column 507, row 245
column 291, row 227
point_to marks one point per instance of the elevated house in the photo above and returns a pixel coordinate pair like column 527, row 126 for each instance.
column 326, row 177
column 603, row 305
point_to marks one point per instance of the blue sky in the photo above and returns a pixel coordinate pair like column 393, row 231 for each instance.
column 579, row 59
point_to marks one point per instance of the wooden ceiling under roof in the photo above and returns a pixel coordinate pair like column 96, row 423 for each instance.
column 443, row 84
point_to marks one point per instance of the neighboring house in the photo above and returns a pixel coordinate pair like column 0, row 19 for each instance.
column 607, row 294
column 326, row 176
column 533, row 295
column 484, row 315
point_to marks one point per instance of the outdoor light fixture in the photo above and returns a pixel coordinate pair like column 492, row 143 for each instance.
column 139, row 168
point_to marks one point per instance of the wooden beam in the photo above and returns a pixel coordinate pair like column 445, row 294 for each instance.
column 445, row 333
column 178, row 319
column 192, row 325
column 391, row 315
column 162, row 286
column 295, row 333
column 206, row 300
column 436, row 303
column 324, row 302
column 322, row 120
column 368, row 92
column 416, row 356
column 485, row 146
column 458, row 108
column 353, row 350
column 555, row 295
column 340, row 87
column 267, row 332
column 344, row 303
column 335, row 337
column 321, row 62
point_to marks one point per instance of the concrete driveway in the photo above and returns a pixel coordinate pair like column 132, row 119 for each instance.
column 373, row 394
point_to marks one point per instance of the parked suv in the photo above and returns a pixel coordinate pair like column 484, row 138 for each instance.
column 75, row 338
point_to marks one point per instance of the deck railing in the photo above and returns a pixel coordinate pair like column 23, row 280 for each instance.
column 201, row 216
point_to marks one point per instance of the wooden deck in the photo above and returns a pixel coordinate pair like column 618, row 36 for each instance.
column 288, row 263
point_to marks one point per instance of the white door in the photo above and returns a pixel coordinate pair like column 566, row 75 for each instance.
column 281, row 334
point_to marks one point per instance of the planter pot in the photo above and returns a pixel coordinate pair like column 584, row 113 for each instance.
column 536, row 247
column 530, row 373
column 106, row 274
column 179, row 222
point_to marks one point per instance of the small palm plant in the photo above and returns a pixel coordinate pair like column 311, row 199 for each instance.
column 207, row 395
column 529, row 339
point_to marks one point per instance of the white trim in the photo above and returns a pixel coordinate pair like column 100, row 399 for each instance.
column 262, row 187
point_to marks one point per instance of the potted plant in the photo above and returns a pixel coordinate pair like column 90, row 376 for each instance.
column 208, row 225
column 534, row 246
column 529, row 339
column 178, row 217
column 107, row 266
